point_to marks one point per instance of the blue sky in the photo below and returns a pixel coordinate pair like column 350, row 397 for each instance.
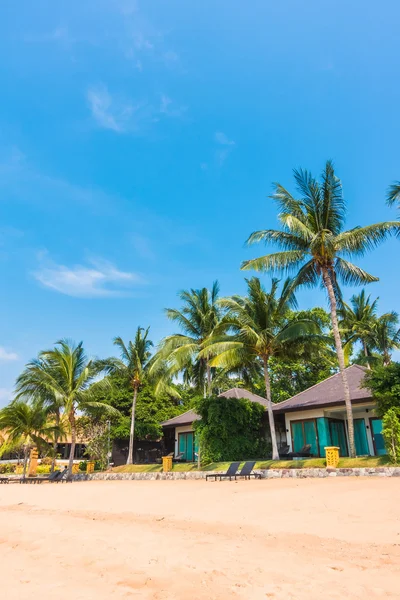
column 139, row 142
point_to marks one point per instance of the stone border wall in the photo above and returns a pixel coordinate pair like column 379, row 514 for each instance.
column 266, row 474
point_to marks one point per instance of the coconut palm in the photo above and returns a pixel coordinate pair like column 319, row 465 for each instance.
column 198, row 318
column 357, row 322
column 314, row 243
column 134, row 364
column 385, row 336
column 65, row 374
column 25, row 425
column 259, row 327
column 393, row 194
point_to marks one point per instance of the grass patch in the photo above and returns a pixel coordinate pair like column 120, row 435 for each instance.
column 310, row 463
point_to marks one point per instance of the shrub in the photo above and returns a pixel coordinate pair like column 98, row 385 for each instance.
column 391, row 433
column 230, row 429
column 43, row 469
column 7, row 468
column 47, row 460
column 83, row 465
column 384, row 383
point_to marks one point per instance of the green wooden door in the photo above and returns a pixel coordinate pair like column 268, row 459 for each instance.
column 360, row 437
column 377, row 437
column 186, row 446
column 338, row 436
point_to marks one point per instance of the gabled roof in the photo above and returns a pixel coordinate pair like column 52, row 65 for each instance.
column 328, row 392
column 189, row 416
column 241, row 393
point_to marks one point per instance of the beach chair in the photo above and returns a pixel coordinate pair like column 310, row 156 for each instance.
column 284, row 452
column 247, row 471
column 53, row 477
column 231, row 472
column 4, row 480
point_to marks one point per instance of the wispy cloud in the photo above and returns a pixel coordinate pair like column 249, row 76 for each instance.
column 59, row 34
column 169, row 108
column 99, row 279
column 107, row 111
column 226, row 146
column 5, row 355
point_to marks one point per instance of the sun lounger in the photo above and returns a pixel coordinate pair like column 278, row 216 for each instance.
column 231, row 472
column 247, row 471
column 4, row 480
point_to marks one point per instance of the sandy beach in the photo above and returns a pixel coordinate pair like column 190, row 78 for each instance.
column 162, row 540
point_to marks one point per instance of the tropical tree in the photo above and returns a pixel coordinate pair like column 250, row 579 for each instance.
column 386, row 336
column 357, row 322
column 133, row 364
column 65, row 373
column 25, row 425
column 259, row 327
column 183, row 352
column 393, row 194
column 313, row 242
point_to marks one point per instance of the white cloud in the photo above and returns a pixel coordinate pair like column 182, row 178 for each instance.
column 100, row 279
column 221, row 154
column 4, row 355
column 107, row 111
column 169, row 108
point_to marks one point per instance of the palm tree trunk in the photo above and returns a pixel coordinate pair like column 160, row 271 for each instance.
column 366, row 355
column 208, row 380
column 73, row 444
column 55, row 444
column 275, row 453
column 26, row 451
column 132, row 431
column 340, row 355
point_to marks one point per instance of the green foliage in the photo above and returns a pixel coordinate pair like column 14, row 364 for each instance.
column 391, row 433
column 151, row 408
column 384, row 383
column 7, row 468
column 289, row 378
column 230, row 429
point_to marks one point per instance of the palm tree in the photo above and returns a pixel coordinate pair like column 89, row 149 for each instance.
column 313, row 243
column 386, row 336
column 198, row 318
column 65, row 374
column 134, row 363
column 27, row 425
column 357, row 322
column 260, row 327
column 393, row 194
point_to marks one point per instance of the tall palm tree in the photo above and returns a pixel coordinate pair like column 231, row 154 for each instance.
column 27, row 425
column 313, row 243
column 259, row 327
column 393, row 194
column 198, row 318
column 64, row 373
column 134, row 363
column 385, row 336
column 357, row 322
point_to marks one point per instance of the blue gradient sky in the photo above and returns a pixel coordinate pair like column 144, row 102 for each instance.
column 139, row 142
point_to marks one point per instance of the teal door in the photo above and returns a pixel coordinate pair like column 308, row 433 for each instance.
column 377, row 437
column 297, row 434
column 186, row 446
column 310, row 436
column 338, row 436
column 360, row 437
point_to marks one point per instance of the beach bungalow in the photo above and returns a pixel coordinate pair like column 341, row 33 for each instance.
column 179, row 432
column 317, row 416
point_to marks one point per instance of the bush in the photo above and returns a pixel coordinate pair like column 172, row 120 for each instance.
column 391, row 434
column 230, row 429
column 83, row 465
column 47, row 460
column 384, row 383
column 7, row 468
column 43, row 469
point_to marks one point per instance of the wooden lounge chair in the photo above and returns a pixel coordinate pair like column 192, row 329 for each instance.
column 231, row 472
column 247, row 471
column 4, row 480
column 284, row 452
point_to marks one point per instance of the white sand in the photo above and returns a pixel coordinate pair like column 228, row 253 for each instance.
column 197, row 540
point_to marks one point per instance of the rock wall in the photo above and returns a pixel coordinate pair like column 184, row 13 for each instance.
column 267, row 474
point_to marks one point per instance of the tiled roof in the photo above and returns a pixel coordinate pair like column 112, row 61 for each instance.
column 328, row 392
column 189, row 416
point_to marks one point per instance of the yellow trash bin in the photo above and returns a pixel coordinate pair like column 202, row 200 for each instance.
column 167, row 463
column 75, row 468
column 90, row 466
column 332, row 456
